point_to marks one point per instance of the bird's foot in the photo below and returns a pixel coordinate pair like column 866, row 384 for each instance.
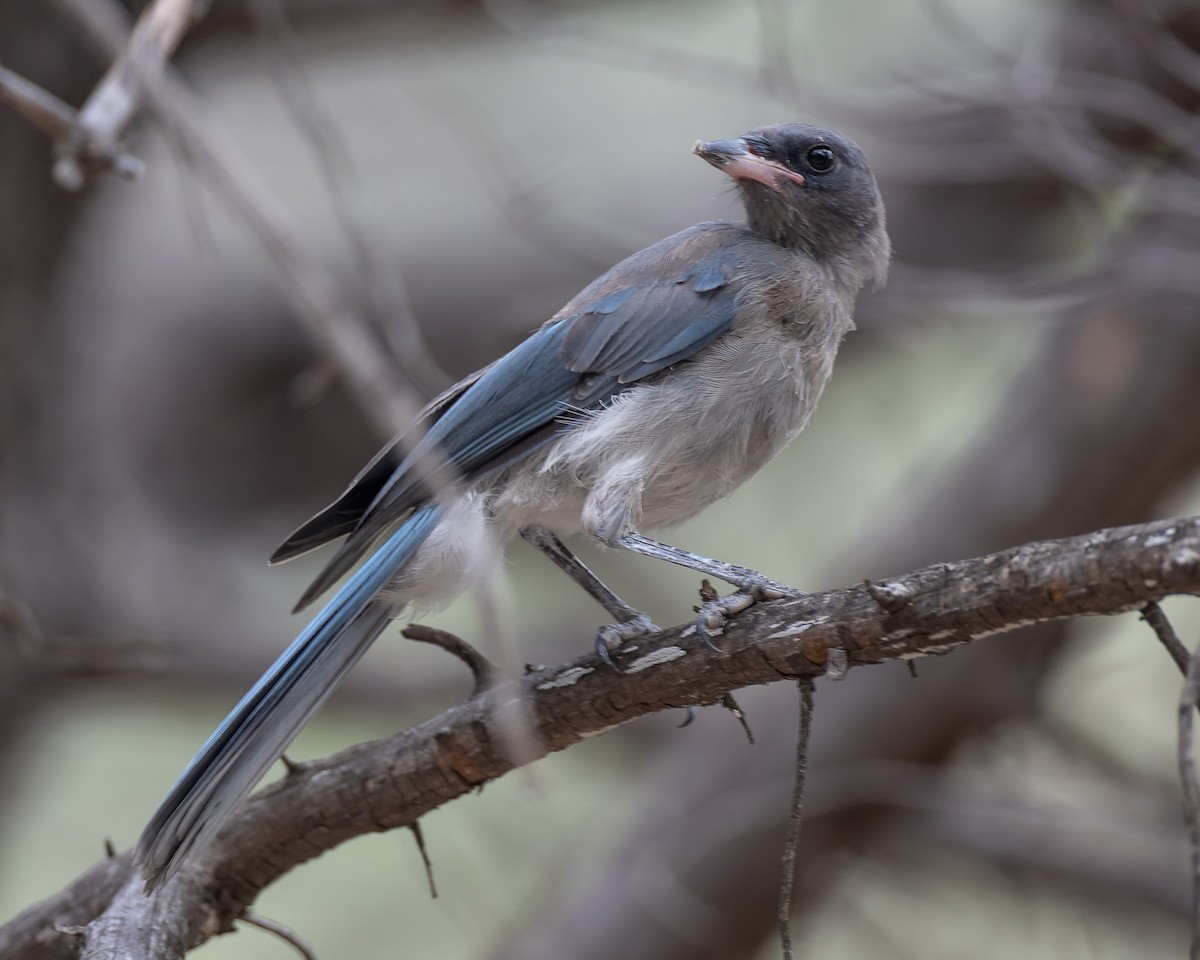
column 714, row 609
column 612, row 635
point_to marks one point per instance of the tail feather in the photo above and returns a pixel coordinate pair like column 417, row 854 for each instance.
column 268, row 718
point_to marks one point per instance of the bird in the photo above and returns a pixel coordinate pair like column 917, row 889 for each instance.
column 660, row 388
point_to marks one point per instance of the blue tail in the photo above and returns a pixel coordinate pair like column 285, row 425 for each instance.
column 268, row 718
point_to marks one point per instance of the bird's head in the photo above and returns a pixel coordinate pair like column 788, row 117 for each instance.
column 811, row 189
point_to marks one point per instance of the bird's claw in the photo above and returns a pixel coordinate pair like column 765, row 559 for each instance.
column 715, row 610
column 711, row 615
column 612, row 635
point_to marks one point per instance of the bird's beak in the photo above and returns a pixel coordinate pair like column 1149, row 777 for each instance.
column 734, row 158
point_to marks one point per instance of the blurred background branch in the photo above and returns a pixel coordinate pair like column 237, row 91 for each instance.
column 111, row 107
column 62, row 123
column 329, row 318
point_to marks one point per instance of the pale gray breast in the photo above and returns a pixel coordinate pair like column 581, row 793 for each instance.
column 738, row 406
column 703, row 430
column 697, row 433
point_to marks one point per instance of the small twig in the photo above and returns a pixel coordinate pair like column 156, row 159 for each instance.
column 1153, row 614
column 419, row 836
column 731, row 705
column 485, row 672
column 59, row 121
column 795, row 818
column 1188, row 701
column 117, row 98
column 282, row 932
column 40, row 107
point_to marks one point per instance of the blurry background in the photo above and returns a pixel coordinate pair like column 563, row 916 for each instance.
column 1032, row 370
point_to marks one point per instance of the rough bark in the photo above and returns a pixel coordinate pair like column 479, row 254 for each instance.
column 392, row 783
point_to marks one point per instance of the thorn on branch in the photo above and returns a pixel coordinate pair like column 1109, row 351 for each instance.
column 485, row 672
column 293, row 768
column 419, row 836
column 109, row 850
column 1153, row 614
column 731, row 705
column 688, row 718
column 891, row 595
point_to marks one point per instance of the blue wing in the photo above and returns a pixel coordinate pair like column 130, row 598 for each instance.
column 658, row 307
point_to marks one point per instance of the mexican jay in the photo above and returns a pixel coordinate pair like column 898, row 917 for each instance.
column 660, row 388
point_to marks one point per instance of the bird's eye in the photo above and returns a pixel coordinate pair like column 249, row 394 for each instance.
column 820, row 159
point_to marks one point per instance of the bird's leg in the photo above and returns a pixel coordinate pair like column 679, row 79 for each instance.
column 630, row 623
column 745, row 579
column 578, row 571
column 751, row 585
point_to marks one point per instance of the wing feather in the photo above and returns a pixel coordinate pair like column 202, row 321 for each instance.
column 653, row 310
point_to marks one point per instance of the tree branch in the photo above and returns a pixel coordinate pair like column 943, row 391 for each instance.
column 77, row 154
column 391, row 783
column 328, row 316
column 114, row 103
